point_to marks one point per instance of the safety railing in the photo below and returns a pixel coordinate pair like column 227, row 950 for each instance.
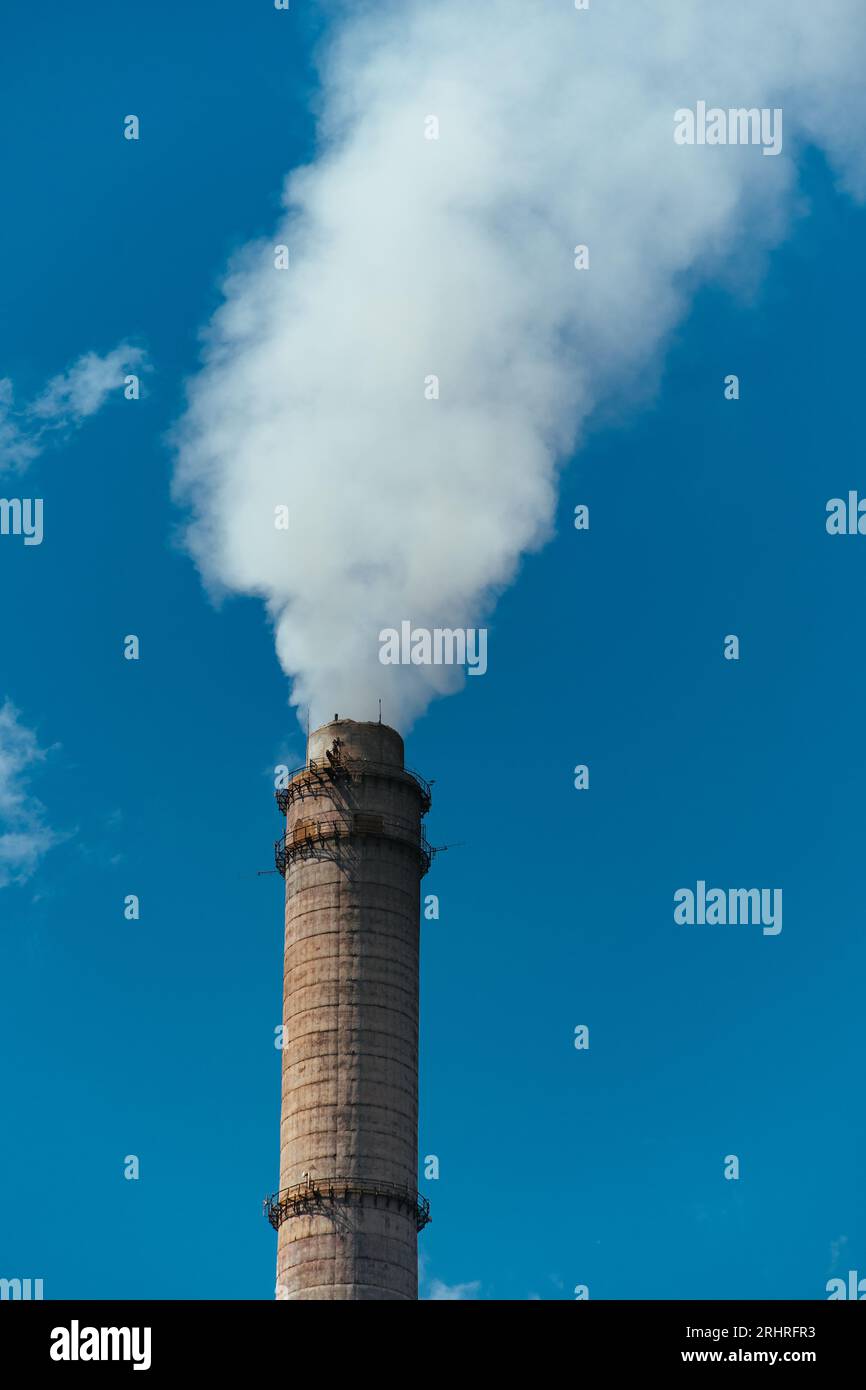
column 308, row 780
column 301, row 838
column 312, row 1195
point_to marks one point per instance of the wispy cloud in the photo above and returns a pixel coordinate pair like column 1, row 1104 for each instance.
column 25, row 835
column 64, row 403
column 16, row 449
column 440, row 1292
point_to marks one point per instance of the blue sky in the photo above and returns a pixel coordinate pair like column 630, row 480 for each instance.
column 155, row 1037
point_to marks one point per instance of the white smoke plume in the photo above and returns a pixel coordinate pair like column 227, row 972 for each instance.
column 412, row 256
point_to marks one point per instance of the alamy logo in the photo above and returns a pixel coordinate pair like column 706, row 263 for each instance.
column 719, row 907
column 75, row 1343
column 846, row 518
column 21, row 1288
column 22, row 516
column 438, row 646
column 739, row 125
column 856, row 1287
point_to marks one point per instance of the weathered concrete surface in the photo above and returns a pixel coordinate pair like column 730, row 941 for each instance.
column 350, row 1015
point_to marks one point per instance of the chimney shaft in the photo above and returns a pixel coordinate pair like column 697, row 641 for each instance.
column 348, row 1212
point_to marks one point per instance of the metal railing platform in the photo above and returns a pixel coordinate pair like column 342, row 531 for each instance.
column 311, row 779
column 306, row 1198
column 306, row 835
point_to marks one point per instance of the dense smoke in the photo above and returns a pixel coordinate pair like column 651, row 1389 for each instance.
column 412, row 256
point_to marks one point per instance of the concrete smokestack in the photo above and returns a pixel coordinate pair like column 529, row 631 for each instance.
column 348, row 1211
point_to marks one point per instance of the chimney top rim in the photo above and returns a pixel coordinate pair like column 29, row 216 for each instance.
column 356, row 724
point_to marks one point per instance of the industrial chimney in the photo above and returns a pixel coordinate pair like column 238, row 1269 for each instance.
column 348, row 1211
